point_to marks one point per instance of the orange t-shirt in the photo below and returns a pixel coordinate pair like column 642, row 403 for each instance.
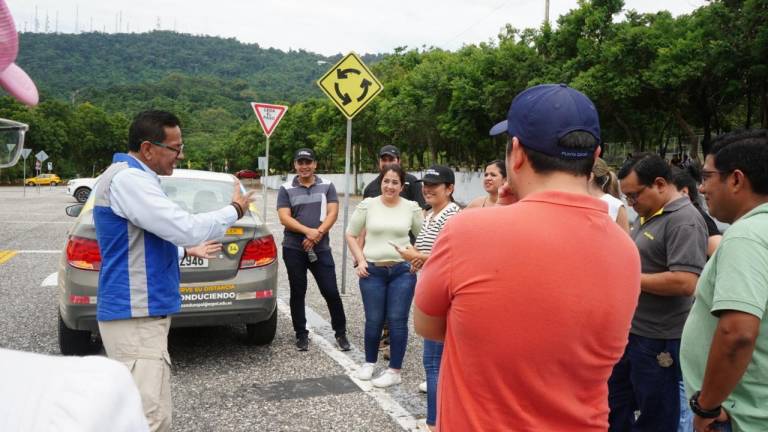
column 538, row 298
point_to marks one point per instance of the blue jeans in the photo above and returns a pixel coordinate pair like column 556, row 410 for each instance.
column 324, row 270
column 433, row 353
column 387, row 294
column 686, row 415
column 639, row 382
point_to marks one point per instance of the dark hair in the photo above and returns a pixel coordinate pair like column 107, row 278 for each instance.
column 682, row 178
column 501, row 165
column 397, row 170
column 543, row 163
column 747, row 151
column 150, row 126
column 648, row 167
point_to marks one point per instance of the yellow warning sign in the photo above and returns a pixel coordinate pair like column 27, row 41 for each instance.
column 350, row 85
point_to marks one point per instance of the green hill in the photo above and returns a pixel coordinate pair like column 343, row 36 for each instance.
column 64, row 65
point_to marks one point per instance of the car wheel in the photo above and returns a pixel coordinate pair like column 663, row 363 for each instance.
column 81, row 194
column 264, row 332
column 74, row 342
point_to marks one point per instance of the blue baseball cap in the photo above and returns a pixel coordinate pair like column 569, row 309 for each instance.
column 541, row 115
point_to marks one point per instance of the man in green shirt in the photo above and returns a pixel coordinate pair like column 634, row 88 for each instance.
column 724, row 351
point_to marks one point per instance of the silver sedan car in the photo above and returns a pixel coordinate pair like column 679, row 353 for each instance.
column 240, row 287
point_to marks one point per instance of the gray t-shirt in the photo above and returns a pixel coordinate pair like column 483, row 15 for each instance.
column 308, row 206
column 673, row 240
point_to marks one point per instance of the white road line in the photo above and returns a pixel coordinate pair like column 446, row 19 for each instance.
column 51, row 280
column 404, row 418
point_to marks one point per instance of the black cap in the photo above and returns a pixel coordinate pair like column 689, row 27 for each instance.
column 389, row 150
column 304, row 153
column 437, row 174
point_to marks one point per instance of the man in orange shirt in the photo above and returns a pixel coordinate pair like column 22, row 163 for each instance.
column 533, row 320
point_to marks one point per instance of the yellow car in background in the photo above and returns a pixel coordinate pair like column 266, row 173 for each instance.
column 44, row 179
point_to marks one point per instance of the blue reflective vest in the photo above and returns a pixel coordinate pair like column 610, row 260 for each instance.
column 139, row 274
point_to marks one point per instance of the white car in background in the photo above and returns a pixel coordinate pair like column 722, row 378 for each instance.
column 80, row 188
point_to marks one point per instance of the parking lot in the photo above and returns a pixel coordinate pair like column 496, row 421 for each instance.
column 219, row 382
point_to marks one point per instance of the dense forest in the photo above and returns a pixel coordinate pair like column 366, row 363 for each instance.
column 661, row 83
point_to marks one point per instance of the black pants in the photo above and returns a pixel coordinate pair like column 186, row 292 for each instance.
column 324, row 271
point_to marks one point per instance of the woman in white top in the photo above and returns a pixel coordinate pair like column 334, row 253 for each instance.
column 495, row 176
column 438, row 187
column 604, row 184
column 386, row 281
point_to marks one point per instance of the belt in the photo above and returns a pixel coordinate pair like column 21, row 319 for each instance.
column 386, row 263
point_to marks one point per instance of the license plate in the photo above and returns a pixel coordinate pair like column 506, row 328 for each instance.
column 193, row 262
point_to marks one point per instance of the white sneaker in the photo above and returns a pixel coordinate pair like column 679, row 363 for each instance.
column 387, row 378
column 365, row 372
column 423, row 387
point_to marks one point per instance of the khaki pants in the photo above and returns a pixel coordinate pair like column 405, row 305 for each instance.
column 142, row 345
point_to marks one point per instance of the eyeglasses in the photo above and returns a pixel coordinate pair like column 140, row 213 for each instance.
column 178, row 150
column 632, row 196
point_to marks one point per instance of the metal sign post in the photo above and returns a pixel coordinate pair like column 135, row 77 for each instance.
column 351, row 86
column 25, row 154
column 347, row 156
column 264, row 180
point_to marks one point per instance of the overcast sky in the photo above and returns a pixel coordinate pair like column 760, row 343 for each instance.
column 323, row 26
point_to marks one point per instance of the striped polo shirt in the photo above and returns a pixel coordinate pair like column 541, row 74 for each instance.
column 432, row 226
column 308, row 206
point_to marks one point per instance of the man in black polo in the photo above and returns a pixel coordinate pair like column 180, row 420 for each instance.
column 411, row 189
column 671, row 237
column 308, row 207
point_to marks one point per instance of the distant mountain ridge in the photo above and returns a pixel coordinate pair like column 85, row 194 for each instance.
column 64, row 65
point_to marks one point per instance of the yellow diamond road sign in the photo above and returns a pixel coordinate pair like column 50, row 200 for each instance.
column 350, row 85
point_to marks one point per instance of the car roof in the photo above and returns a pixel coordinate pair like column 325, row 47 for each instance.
column 201, row 175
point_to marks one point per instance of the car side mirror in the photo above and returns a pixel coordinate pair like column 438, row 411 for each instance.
column 74, row 210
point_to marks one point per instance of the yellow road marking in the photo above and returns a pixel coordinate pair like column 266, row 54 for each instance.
column 5, row 255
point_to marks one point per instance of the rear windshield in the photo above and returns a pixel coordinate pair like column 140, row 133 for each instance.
column 197, row 196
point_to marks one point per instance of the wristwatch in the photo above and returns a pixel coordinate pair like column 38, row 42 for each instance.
column 702, row 412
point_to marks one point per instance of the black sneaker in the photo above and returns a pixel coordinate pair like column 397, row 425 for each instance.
column 302, row 342
column 343, row 343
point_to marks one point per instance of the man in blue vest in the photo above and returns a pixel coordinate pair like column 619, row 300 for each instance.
column 138, row 229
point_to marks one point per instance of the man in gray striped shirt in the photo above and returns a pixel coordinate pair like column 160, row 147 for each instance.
column 308, row 208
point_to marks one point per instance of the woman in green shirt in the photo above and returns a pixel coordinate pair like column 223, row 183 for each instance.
column 386, row 282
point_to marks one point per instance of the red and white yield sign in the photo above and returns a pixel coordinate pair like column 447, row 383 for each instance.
column 269, row 115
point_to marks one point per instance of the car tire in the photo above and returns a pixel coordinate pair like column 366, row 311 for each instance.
column 81, row 194
column 74, row 342
column 262, row 333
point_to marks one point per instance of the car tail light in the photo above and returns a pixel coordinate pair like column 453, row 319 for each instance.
column 83, row 253
column 82, row 300
column 259, row 252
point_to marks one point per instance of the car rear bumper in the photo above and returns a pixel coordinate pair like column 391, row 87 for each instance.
column 249, row 297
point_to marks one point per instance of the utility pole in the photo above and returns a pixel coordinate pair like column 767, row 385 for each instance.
column 57, row 22
column 37, row 21
column 77, row 19
column 546, row 11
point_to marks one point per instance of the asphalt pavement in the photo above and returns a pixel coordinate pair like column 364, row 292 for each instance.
column 219, row 383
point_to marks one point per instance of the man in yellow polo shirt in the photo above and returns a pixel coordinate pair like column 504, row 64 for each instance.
column 671, row 237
